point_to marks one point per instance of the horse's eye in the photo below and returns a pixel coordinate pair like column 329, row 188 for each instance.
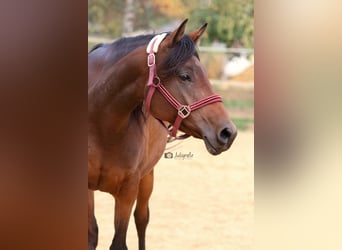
column 185, row 77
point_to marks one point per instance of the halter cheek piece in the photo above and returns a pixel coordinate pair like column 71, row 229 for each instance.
column 154, row 83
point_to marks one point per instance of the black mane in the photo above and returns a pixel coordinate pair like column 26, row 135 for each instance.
column 95, row 47
column 122, row 47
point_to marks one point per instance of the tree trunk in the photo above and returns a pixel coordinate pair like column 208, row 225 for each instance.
column 127, row 25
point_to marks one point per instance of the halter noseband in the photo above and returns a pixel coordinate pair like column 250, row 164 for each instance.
column 154, row 83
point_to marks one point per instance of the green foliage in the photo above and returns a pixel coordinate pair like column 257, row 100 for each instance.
column 243, row 123
column 230, row 21
column 239, row 104
column 105, row 17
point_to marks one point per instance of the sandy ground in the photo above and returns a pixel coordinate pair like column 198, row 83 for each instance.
column 201, row 202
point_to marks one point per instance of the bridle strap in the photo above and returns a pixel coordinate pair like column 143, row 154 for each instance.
column 151, row 50
column 184, row 110
column 170, row 139
column 154, row 83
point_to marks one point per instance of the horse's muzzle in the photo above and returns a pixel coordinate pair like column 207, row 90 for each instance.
column 222, row 142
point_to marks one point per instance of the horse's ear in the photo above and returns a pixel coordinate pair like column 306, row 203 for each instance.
column 175, row 36
column 195, row 35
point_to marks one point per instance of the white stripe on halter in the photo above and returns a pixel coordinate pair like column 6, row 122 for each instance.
column 158, row 39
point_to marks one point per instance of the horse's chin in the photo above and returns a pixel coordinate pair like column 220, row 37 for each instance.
column 211, row 143
column 212, row 149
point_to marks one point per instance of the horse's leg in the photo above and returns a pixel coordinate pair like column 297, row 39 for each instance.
column 141, row 213
column 92, row 225
column 123, row 207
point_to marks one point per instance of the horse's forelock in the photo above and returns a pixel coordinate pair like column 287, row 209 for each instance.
column 182, row 52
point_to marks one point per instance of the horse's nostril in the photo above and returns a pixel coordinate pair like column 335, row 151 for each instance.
column 224, row 135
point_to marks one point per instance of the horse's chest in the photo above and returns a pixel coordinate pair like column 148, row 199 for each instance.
column 122, row 158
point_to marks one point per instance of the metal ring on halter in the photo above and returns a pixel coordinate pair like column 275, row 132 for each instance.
column 184, row 111
column 156, row 81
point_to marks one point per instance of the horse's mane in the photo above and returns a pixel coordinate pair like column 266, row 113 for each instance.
column 95, row 47
column 169, row 67
column 122, row 47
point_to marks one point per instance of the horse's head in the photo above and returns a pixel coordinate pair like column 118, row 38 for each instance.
column 185, row 78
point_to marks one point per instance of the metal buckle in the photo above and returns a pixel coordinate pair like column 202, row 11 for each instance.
column 156, row 81
column 151, row 60
column 184, row 111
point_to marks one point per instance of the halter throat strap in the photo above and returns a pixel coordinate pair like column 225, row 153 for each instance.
column 153, row 83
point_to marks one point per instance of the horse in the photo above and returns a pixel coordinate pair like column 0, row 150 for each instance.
column 141, row 91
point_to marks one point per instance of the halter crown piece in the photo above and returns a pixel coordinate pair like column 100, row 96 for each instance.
column 154, row 83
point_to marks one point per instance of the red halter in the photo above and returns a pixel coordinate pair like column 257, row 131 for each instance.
column 154, row 83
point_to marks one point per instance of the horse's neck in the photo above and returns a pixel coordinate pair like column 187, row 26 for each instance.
column 120, row 89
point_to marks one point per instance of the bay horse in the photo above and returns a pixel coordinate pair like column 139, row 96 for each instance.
column 137, row 87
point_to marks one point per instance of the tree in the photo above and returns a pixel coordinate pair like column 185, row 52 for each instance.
column 105, row 17
column 128, row 19
column 230, row 21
